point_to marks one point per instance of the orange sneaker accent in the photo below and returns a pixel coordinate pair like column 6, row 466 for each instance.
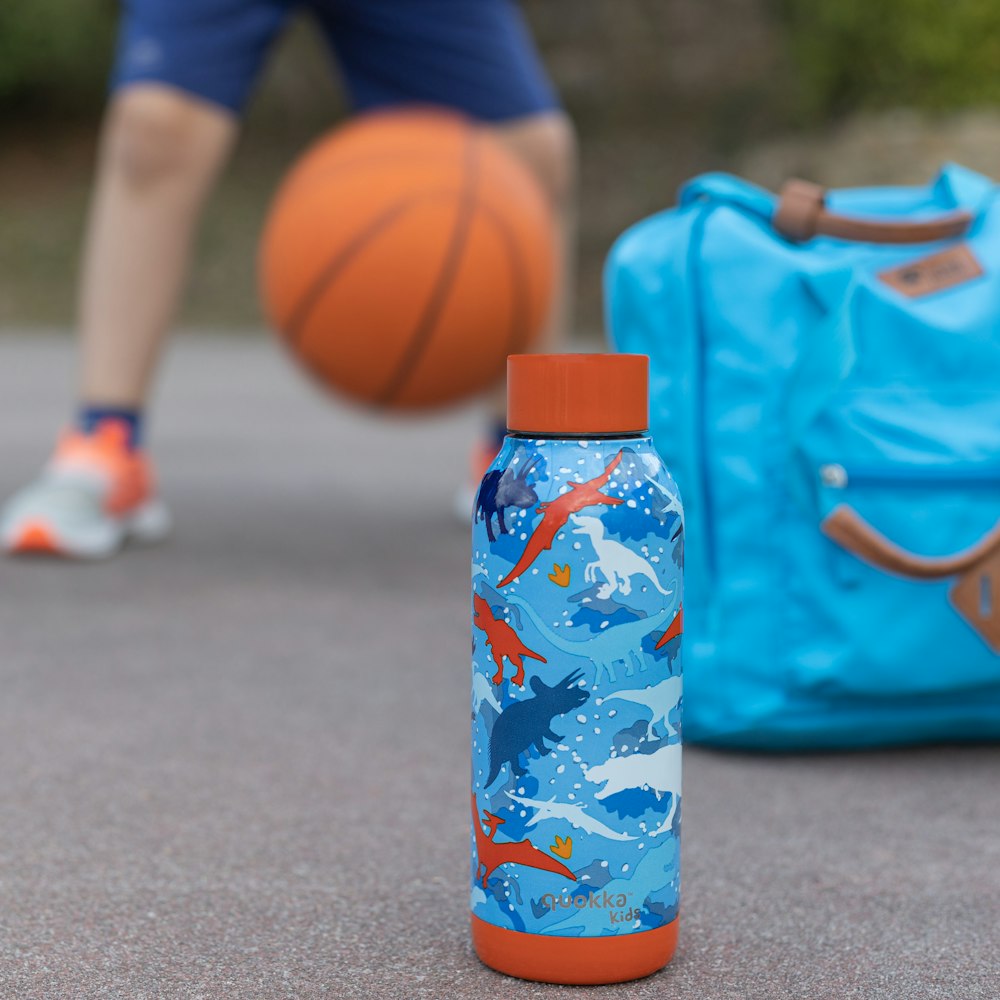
column 128, row 472
column 574, row 961
column 35, row 536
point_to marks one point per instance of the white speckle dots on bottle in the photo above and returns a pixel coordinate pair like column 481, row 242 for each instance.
column 578, row 620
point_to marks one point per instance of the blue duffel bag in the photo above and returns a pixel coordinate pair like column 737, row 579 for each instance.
column 825, row 387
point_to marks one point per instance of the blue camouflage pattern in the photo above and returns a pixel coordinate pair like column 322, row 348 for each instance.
column 576, row 688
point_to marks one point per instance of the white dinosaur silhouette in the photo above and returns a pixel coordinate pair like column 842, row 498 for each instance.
column 673, row 501
column 622, row 643
column 617, row 563
column 661, row 699
column 572, row 812
column 482, row 691
column 659, row 771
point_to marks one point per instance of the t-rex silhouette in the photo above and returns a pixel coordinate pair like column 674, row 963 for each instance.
column 503, row 641
column 659, row 771
column 661, row 699
column 617, row 563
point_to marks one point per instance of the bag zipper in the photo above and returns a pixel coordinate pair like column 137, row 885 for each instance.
column 839, row 477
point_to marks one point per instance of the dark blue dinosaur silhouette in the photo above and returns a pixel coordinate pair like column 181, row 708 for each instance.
column 503, row 488
column 527, row 723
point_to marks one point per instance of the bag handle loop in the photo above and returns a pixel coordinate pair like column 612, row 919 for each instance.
column 845, row 526
column 976, row 592
column 801, row 214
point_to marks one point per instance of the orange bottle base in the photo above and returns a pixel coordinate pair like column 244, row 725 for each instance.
column 574, row 961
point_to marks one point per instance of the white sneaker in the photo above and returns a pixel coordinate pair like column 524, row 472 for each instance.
column 94, row 495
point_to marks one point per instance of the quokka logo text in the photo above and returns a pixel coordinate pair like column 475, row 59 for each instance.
column 614, row 903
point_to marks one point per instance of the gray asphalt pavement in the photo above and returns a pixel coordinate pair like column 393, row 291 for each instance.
column 235, row 766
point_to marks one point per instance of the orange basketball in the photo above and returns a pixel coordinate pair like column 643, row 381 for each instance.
column 405, row 256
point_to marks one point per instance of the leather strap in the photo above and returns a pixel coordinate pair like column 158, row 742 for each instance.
column 976, row 592
column 967, row 595
column 801, row 214
column 851, row 531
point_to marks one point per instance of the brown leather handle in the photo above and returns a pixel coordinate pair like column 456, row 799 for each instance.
column 851, row 531
column 802, row 214
column 976, row 592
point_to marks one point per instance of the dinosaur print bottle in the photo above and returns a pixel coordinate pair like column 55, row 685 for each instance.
column 577, row 557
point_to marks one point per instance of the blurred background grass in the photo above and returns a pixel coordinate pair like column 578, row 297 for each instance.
column 844, row 91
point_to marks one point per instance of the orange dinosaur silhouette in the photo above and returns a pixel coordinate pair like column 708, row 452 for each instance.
column 502, row 640
column 490, row 855
column 556, row 513
column 675, row 629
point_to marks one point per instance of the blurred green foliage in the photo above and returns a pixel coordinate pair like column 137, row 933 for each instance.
column 832, row 57
column 659, row 90
column 930, row 54
column 54, row 54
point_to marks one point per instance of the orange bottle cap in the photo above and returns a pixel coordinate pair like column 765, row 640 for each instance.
column 578, row 394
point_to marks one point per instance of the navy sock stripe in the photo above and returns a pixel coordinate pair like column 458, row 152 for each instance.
column 89, row 417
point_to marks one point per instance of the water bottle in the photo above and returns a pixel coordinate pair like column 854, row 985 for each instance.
column 577, row 557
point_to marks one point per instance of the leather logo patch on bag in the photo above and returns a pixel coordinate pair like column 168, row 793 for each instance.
column 934, row 273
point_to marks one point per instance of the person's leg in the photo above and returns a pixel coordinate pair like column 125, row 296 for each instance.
column 161, row 149
column 475, row 56
column 546, row 142
column 184, row 70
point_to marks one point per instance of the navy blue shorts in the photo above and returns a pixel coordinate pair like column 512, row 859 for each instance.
column 476, row 56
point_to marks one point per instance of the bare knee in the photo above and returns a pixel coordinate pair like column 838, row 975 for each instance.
column 547, row 144
column 154, row 134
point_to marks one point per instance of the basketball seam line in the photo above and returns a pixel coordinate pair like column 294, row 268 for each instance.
column 419, row 340
column 315, row 291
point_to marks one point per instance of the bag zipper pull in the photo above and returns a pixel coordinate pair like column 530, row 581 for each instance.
column 833, row 475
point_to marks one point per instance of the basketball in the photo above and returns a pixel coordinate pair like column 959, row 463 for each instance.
column 405, row 256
